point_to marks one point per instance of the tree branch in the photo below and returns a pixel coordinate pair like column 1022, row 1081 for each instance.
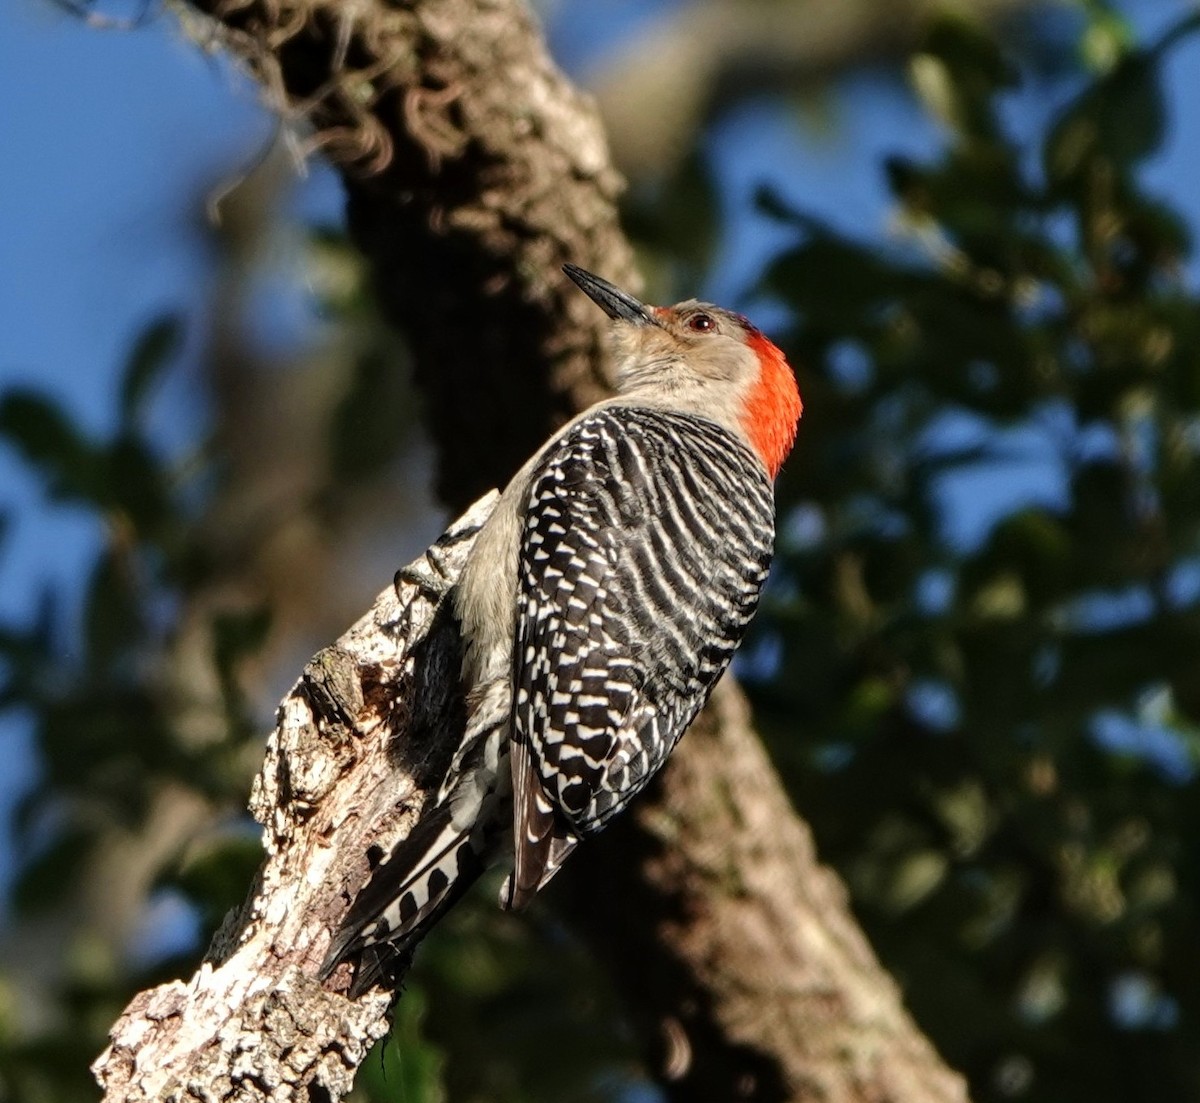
column 473, row 169
column 701, row 56
column 362, row 737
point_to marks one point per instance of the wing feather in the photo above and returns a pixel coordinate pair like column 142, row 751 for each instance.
column 646, row 541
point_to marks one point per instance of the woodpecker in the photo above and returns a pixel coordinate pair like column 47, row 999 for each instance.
column 600, row 603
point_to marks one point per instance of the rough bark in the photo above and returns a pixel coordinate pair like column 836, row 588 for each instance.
column 473, row 169
column 745, row 968
column 359, row 741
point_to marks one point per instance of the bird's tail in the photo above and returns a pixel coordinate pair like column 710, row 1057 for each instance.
column 427, row 872
column 407, row 893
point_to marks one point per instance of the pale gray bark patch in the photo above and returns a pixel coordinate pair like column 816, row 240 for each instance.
column 359, row 741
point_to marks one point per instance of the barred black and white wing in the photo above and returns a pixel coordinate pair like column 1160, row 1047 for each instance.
column 647, row 538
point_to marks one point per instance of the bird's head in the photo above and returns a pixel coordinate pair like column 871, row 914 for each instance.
column 702, row 359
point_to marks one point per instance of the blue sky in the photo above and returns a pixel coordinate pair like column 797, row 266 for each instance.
column 112, row 142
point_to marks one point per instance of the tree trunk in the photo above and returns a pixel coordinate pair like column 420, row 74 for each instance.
column 473, row 170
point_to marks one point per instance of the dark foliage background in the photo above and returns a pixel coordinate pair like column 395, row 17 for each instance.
column 993, row 732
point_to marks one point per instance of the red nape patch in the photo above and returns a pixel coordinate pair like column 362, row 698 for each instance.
column 773, row 405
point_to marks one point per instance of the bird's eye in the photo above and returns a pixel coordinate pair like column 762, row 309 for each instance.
column 702, row 323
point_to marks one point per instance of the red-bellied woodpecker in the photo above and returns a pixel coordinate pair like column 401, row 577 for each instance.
column 599, row 605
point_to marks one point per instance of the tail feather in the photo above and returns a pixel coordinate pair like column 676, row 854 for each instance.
column 541, row 842
column 428, row 872
column 378, row 964
column 407, row 893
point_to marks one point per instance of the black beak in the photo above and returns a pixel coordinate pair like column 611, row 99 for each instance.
column 612, row 300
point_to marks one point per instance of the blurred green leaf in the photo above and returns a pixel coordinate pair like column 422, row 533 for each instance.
column 47, row 439
column 364, row 426
column 1120, row 120
column 140, row 486
column 53, row 874
column 958, row 72
column 1108, row 37
column 677, row 218
column 238, row 634
column 113, row 623
column 410, row 1068
column 157, row 344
